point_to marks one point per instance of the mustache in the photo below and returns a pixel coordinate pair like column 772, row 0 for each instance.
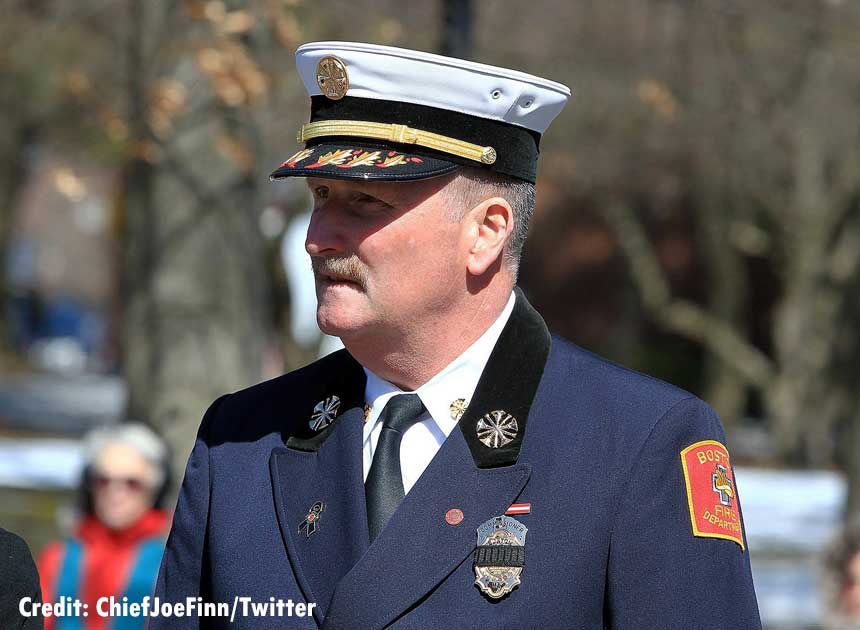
column 346, row 268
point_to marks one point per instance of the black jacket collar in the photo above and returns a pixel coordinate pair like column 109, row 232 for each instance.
column 508, row 383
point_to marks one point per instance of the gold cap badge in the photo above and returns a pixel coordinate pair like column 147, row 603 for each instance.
column 332, row 77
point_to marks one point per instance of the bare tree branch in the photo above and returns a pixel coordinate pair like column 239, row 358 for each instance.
column 682, row 316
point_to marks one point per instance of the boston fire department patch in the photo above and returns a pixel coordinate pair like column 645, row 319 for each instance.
column 711, row 491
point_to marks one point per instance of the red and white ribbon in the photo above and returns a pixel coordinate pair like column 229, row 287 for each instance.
column 519, row 508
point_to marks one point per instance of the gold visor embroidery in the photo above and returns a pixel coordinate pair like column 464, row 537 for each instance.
column 400, row 134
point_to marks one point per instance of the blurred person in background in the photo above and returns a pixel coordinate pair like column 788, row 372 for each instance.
column 117, row 547
column 843, row 567
column 18, row 579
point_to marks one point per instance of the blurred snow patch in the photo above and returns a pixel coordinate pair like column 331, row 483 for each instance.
column 41, row 463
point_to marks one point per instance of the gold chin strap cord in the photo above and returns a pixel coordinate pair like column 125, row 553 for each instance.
column 397, row 133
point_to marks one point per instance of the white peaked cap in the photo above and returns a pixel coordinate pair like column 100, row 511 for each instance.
column 411, row 76
column 392, row 114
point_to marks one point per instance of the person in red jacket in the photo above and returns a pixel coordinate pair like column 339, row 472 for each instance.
column 117, row 546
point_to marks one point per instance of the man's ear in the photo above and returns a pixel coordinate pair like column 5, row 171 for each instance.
column 492, row 223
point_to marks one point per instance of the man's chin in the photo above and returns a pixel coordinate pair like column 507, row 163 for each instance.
column 340, row 318
column 342, row 329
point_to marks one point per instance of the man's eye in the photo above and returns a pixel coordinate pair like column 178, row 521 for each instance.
column 321, row 192
column 368, row 200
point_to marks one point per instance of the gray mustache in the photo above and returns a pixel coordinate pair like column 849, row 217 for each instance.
column 349, row 268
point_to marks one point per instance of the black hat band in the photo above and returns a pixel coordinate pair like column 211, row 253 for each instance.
column 516, row 148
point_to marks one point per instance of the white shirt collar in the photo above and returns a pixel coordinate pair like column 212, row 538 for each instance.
column 457, row 380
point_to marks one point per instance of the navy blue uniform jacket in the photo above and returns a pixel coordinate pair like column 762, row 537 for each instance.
column 610, row 542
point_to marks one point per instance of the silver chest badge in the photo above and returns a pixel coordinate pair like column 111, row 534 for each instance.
column 500, row 556
column 497, row 428
column 325, row 411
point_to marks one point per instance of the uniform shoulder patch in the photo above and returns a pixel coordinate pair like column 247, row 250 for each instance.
column 711, row 492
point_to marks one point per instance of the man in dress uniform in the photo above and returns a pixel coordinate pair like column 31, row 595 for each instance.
column 455, row 466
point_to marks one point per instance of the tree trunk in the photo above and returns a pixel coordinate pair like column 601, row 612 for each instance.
column 194, row 323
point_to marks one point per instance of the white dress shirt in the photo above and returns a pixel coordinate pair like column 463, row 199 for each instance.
column 457, row 380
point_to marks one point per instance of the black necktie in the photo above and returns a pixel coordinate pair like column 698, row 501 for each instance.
column 384, row 486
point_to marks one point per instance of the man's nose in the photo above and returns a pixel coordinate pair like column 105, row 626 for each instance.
column 323, row 235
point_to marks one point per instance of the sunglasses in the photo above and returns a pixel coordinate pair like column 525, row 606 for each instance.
column 132, row 484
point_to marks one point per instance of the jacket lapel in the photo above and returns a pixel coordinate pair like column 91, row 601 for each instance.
column 332, row 475
column 324, row 466
column 418, row 548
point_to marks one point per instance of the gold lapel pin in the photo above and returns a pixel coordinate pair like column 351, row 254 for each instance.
column 458, row 408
